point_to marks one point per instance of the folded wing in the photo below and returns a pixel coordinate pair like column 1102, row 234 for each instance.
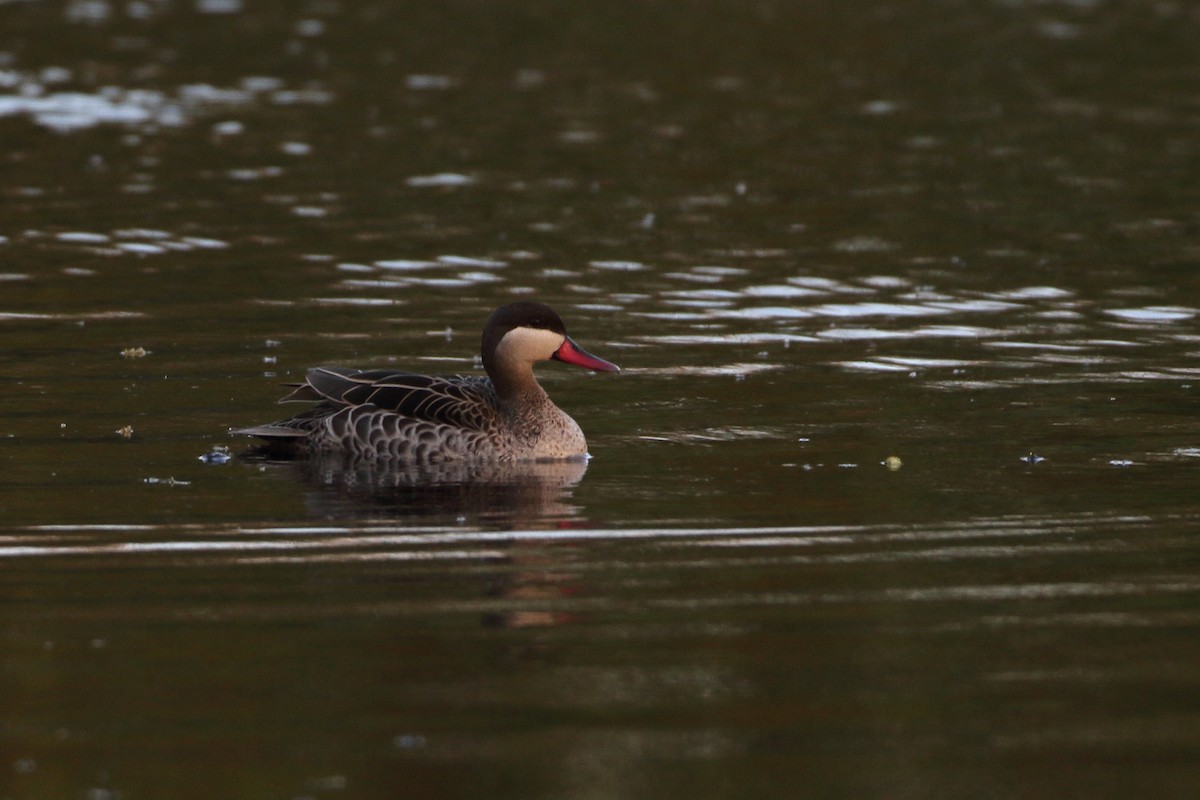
column 458, row 400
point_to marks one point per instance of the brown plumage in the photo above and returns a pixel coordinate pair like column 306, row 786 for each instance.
column 385, row 414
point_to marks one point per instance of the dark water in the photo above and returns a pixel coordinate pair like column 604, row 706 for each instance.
column 896, row 495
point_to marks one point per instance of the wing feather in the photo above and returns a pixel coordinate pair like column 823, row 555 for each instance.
column 458, row 400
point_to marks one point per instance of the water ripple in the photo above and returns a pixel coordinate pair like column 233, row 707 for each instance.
column 1153, row 314
column 67, row 111
column 1002, row 539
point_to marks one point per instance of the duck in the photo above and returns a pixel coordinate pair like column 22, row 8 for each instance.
column 423, row 419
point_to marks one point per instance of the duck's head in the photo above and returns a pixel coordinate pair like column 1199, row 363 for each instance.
column 520, row 334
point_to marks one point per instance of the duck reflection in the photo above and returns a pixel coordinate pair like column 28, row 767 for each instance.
column 517, row 494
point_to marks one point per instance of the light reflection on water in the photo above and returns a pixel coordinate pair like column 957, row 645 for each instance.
column 1039, row 325
column 67, row 111
column 449, row 627
column 1002, row 539
column 811, row 249
column 1044, row 324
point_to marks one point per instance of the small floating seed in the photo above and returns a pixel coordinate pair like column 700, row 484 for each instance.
column 126, row 432
column 134, row 352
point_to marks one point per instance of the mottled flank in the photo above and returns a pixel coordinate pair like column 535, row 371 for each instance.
column 404, row 416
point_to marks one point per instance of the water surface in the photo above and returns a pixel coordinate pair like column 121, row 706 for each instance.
column 894, row 497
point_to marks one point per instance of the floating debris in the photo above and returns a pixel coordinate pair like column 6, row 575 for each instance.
column 1032, row 458
column 134, row 352
column 166, row 481
column 892, row 463
column 218, row 455
column 126, row 432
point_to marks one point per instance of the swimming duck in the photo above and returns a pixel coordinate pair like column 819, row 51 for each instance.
column 507, row 416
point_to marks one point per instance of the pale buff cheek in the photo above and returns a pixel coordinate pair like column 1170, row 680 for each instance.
column 528, row 345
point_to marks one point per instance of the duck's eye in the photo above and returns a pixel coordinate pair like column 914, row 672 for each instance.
column 538, row 322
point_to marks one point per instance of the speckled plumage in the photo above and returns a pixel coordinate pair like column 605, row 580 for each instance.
column 383, row 414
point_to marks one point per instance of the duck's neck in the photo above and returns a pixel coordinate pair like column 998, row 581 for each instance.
column 533, row 418
column 516, row 386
